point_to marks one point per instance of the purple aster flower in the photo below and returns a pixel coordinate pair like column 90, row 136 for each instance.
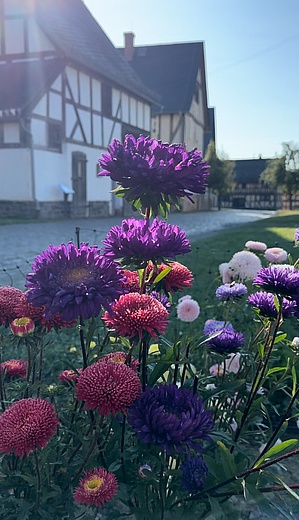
column 212, row 326
column 161, row 298
column 170, row 417
column 194, row 474
column 154, row 174
column 281, row 279
column 138, row 241
column 264, row 302
column 230, row 291
column 228, row 340
column 296, row 235
column 73, row 281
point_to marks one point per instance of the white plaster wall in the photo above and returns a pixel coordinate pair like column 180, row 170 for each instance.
column 15, row 175
column 55, row 106
column 116, row 109
column 96, row 95
column 41, row 107
column 147, row 118
column 14, row 7
column 86, row 123
column 50, row 171
column 84, row 83
column 125, row 108
column 39, row 132
column 97, row 129
column 72, row 77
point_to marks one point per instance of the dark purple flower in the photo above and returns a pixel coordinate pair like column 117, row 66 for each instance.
column 73, row 281
column 153, row 174
column 281, row 279
column 264, row 302
column 138, row 241
column 228, row 340
column 230, row 291
column 162, row 298
column 212, row 326
column 170, row 417
column 194, row 474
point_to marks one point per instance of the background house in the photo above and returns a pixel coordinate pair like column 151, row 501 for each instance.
column 249, row 191
column 65, row 92
column 177, row 73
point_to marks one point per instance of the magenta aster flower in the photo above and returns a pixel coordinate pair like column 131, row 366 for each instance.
column 139, row 241
column 14, row 368
column 176, row 279
column 27, row 424
column 265, row 303
column 153, row 174
column 97, row 487
column 9, row 300
column 109, row 387
column 231, row 291
column 73, row 282
column 280, row 279
column 170, row 417
column 135, row 314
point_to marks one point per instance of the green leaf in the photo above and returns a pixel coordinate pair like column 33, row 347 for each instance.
column 114, row 466
column 275, row 450
column 280, row 337
column 294, row 376
column 227, row 460
column 161, row 366
column 275, row 370
column 290, row 490
column 162, row 274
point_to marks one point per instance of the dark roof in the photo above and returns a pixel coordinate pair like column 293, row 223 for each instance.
column 171, row 71
column 72, row 28
column 248, row 171
column 210, row 134
column 25, row 82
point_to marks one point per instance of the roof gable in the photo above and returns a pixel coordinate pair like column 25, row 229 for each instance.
column 74, row 31
column 170, row 70
column 248, row 171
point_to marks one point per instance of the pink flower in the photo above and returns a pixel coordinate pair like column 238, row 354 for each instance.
column 178, row 277
column 70, row 375
column 276, row 255
column 14, row 368
column 216, row 370
column 109, row 387
column 187, row 310
column 97, row 487
column 9, row 300
column 232, row 363
column 256, row 246
column 22, row 326
column 27, row 424
column 133, row 314
column 244, row 265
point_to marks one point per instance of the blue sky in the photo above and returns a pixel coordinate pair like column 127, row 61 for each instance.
column 252, row 56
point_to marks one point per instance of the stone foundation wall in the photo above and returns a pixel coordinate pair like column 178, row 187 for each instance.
column 50, row 210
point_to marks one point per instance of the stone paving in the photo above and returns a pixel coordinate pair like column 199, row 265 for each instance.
column 20, row 243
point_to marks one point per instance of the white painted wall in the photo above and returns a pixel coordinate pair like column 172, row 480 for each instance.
column 15, row 175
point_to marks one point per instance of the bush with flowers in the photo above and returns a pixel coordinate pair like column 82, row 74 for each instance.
column 157, row 420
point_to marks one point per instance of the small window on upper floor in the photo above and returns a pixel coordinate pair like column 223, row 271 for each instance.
column 55, row 136
column 106, row 100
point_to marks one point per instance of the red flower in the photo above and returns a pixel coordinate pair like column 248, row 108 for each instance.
column 9, row 300
column 97, row 487
column 22, row 326
column 120, row 357
column 27, row 424
column 14, row 368
column 136, row 313
column 70, row 375
column 131, row 282
column 109, row 387
column 178, row 277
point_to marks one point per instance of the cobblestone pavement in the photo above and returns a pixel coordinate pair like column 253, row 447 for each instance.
column 20, row 243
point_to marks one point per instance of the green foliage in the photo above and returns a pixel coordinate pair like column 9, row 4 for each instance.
column 221, row 177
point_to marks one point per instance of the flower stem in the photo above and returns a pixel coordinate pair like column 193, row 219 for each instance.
column 38, row 480
column 82, row 342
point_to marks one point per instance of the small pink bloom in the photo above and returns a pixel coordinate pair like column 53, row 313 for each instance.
column 224, row 272
column 232, row 363
column 14, row 368
column 188, row 310
column 22, row 326
column 216, row 370
column 70, row 375
column 276, row 255
column 256, row 246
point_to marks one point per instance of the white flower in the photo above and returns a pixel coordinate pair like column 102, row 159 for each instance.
column 295, row 342
column 244, row 265
column 276, row 255
column 224, row 272
column 255, row 245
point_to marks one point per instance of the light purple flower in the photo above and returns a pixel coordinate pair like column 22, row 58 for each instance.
column 230, row 291
column 153, row 174
column 212, row 326
column 280, row 279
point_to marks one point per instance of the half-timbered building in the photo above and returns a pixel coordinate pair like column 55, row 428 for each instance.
column 177, row 72
column 65, row 92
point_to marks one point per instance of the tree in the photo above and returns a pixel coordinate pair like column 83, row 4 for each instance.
column 221, row 178
column 283, row 172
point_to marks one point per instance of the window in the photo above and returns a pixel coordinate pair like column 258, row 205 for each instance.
column 106, row 100
column 54, row 136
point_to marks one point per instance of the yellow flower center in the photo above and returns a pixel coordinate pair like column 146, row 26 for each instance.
column 93, row 483
column 77, row 275
column 21, row 321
